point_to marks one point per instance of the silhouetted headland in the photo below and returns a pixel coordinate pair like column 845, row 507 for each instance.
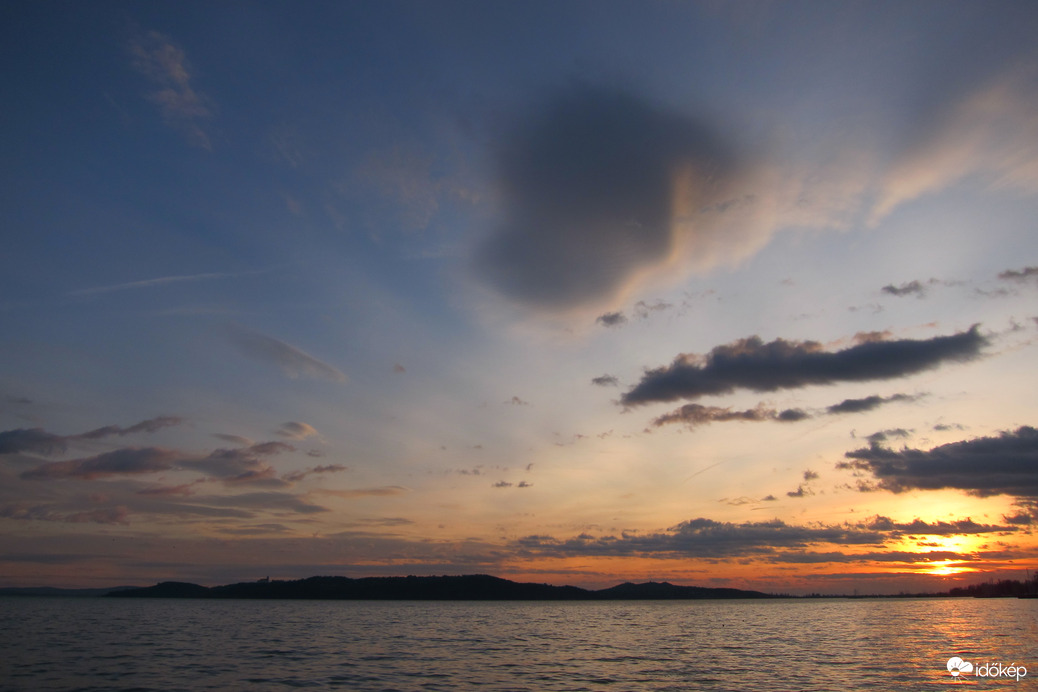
column 476, row 587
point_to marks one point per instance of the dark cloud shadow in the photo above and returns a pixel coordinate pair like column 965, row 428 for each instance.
column 588, row 185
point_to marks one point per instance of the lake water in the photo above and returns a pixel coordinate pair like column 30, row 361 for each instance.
column 146, row 644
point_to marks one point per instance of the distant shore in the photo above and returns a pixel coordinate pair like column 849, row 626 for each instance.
column 476, row 587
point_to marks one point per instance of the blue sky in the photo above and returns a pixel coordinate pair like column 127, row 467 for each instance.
column 722, row 293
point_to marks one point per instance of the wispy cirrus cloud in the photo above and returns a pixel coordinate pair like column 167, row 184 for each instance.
column 991, row 132
column 292, row 361
column 155, row 56
column 150, row 283
column 297, row 476
column 382, row 491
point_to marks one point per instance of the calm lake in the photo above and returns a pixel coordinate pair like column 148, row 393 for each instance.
column 154, row 644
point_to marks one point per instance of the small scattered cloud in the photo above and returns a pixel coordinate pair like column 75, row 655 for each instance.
column 297, row 476
column 502, row 484
column 605, row 381
column 884, row 435
column 292, row 361
column 694, row 415
column 295, row 430
column 867, row 404
column 611, row 319
column 644, row 309
column 911, row 288
column 766, row 367
column 1027, row 274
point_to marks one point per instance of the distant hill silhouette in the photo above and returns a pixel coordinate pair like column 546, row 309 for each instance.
column 662, row 591
column 50, row 591
column 473, row 587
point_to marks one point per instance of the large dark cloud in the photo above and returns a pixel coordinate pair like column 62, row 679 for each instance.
column 588, row 188
column 775, row 540
column 766, row 367
column 705, row 538
column 1006, row 464
column 918, row 527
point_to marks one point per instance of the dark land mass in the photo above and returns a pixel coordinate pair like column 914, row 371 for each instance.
column 478, row 587
column 52, row 592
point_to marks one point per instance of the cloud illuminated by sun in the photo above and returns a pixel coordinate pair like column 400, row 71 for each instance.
column 948, row 568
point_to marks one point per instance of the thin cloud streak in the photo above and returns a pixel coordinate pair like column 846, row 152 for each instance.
column 292, row 361
column 148, row 283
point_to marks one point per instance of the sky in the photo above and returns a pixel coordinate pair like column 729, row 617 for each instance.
column 727, row 294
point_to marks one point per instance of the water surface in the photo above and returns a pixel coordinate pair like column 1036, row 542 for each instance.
column 838, row 644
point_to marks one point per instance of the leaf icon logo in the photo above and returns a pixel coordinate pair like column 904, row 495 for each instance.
column 957, row 666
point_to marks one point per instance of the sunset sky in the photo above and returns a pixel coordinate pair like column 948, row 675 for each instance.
column 719, row 293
